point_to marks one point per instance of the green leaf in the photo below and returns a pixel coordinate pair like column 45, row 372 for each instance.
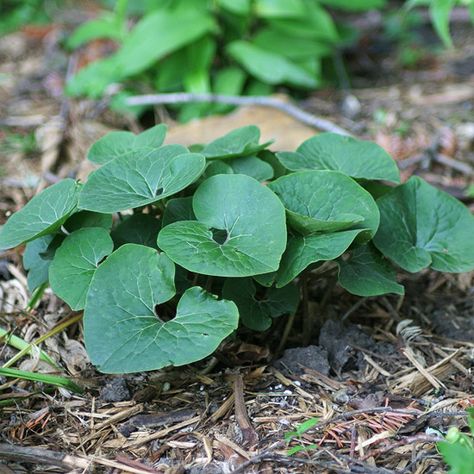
column 290, row 46
column 82, row 219
column 178, row 209
column 227, row 81
column 356, row 158
column 257, row 311
column 75, row 263
column 270, row 67
column 440, row 11
column 301, row 429
column 103, row 27
column 242, row 141
column 367, row 273
column 44, row 214
column 122, row 331
column 279, row 8
column 117, row 144
column 43, row 378
column 137, row 229
column 421, row 226
column 238, row 7
column 316, row 24
column 355, row 5
column 459, row 457
column 240, row 229
column 252, row 166
column 36, row 262
column 137, row 180
column 176, row 28
column 301, row 252
column 325, row 201
column 217, row 167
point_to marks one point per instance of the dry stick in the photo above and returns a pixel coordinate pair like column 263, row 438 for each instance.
column 41, row 456
column 248, row 432
column 263, row 101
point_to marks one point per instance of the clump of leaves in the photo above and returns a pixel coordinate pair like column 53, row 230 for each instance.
column 167, row 249
column 458, row 448
column 244, row 47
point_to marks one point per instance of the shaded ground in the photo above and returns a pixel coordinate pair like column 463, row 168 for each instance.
column 384, row 375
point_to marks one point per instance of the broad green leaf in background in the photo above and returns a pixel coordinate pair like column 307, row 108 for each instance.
column 75, row 263
column 116, row 144
column 252, row 166
column 159, row 34
column 155, row 36
column 44, row 214
column 440, row 10
column 301, row 252
column 355, row 5
column 257, row 312
column 292, row 47
column 139, row 179
column 356, row 158
column 82, row 219
column 316, row 24
column 238, row 7
column 124, row 333
column 227, row 81
column 367, row 273
column 325, row 201
column 240, row 229
column 105, row 26
column 280, row 8
column 137, row 229
column 242, row 141
column 421, row 226
column 178, row 209
column 36, row 262
column 270, row 67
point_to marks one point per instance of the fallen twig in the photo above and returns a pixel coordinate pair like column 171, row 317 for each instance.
column 271, row 102
column 248, row 432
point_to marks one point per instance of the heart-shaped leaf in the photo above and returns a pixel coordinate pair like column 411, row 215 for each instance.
column 122, row 331
column 137, row 180
column 240, row 229
column 36, row 262
column 257, row 310
column 253, row 167
column 242, row 141
column 421, row 226
column 367, row 273
column 302, row 251
column 325, row 201
column 75, row 263
column 355, row 158
column 117, row 144
column 217, row 167
column 82, row 219
column 44, row 214
column 137, row 229
column 178, row 209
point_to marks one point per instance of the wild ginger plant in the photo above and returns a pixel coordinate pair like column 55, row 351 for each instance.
column 166, row 249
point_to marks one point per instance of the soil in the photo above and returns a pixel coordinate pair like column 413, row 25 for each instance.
column 384, row 376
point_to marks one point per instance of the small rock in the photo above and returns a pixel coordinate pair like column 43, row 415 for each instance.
column 312, row 357
column 116, row 390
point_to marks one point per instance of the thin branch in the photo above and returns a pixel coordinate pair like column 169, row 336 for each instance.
column 263, row 101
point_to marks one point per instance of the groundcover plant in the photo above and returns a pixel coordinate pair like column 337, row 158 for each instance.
column 166, row 248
